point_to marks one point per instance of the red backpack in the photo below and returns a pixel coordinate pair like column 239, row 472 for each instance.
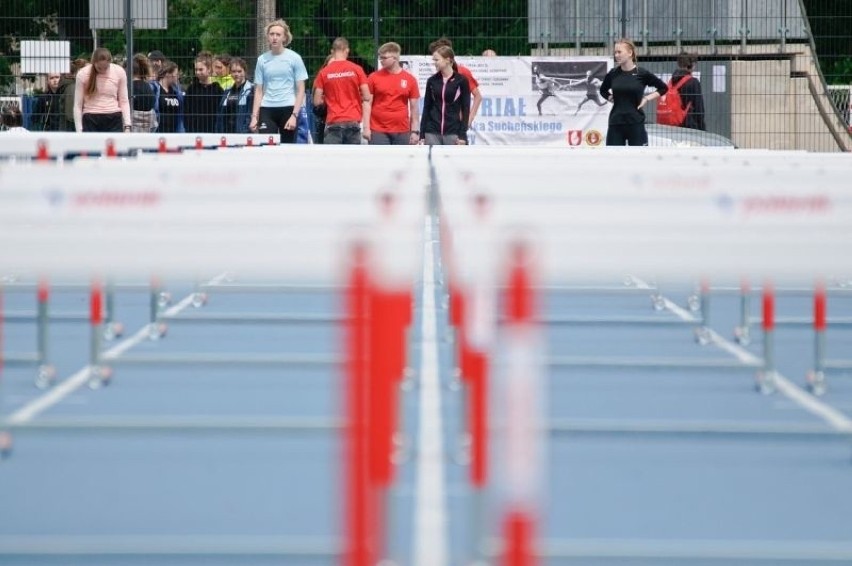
column 670, row 110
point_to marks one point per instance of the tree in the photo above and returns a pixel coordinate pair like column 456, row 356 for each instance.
column 830, row 22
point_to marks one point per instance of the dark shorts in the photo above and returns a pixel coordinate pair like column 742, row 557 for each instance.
column 343, row 133
column 103, row 122
column 627, row 134
column 438, row 139
column 385, row 138
column 272, row 121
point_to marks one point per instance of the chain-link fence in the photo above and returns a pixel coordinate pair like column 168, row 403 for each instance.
column 765, row 65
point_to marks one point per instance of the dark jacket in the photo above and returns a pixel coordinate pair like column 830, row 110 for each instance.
column 200, row 105
column 47, row 112
column 242, row 111
column 66, row 103
column 690, row 92
column 170, row 121
column 446, row 106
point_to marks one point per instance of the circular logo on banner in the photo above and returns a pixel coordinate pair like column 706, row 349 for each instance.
column 593, row 137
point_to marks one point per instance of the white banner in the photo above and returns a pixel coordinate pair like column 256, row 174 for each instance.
column 551, row 101
column 43, row 57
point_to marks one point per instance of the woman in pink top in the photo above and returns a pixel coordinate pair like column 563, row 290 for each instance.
column 100, row 96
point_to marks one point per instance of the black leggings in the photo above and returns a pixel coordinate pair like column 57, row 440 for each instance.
column 626, row 134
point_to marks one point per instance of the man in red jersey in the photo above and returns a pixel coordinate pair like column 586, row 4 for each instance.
column 394, row 114
column 475, row 95
column 342, row 86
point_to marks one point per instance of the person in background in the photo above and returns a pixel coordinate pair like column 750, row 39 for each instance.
column 234, row 114
column 394, row 116
column 100, row 96
column 47, row 111
column 690, row 92
column 202, row 98
column 280, row 76
column 342, row 87
column 446, row 102
column 169, row 100
column 489, row 53
column 624, row 86
column 67, row 87
column 222, row 70
column 155, row 61
column 143, row 115
column 12, row 119
column 476, row 96
column 320, row 112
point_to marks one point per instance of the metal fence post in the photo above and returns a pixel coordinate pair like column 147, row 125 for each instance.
column 128, row 36
column 678, row 31
column 744, row 26
column 713, row 31
column 578, row 44
column 265, row 14
column 376, row 21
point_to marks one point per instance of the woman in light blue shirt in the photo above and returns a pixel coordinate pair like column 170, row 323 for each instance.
column 279, row 80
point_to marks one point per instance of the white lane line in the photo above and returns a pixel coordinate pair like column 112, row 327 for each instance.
column 78, row 379
column 805, row 400
column 430, row 523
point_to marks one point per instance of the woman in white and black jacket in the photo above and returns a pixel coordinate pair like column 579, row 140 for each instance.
column 446, row 102
column 235, row 107
column 624, row 85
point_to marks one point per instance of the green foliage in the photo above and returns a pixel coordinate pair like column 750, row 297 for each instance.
column 229, row 26
column 838, row 71
column 830, row 22
column 224, row 26
column 472, row 25
column 5, row 74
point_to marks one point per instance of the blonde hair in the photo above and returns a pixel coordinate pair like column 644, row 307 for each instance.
column 390, row 47
column 340, row 44
column 630, row 45
column 288, row 36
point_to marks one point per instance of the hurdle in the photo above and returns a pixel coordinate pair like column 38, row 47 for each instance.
column 584, row 234
column 571, row 244
column 108, row 328
column 160, row 320
column 742, row 332
column 64, row 146
column 112, row 328
column 522, row 399
column 303, row 237
column 369, row 466
column 816, row 380
column 45, row 371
